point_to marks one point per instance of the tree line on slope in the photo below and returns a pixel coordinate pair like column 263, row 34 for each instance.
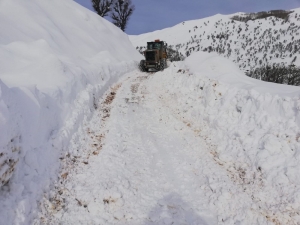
column 282, row 14
column 277, row 73
column 119, row 11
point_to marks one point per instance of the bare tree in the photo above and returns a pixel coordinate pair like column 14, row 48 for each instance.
column 122, row 11
column 102, row 7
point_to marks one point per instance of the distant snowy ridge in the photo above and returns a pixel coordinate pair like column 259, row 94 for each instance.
column 251, row 44
column 57, row 58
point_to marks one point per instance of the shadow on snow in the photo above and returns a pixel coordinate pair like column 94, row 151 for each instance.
column 173, row 210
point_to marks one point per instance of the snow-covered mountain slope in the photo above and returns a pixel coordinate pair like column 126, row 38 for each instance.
column 250, row 44
column 56, row 58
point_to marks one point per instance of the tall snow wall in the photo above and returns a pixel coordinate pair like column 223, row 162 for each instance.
column 57, row 58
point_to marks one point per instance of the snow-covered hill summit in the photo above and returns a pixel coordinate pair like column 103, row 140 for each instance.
column 258, row 40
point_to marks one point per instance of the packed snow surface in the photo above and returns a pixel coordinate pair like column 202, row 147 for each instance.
column 56, row 59
column 198, row 143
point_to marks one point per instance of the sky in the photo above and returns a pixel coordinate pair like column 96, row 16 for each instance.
column 151, row 15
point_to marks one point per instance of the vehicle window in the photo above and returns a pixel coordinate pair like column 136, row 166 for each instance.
column 154, row 46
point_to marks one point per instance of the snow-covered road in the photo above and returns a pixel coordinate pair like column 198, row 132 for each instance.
column 199, row 143
column 140, row 161
column 141, row 165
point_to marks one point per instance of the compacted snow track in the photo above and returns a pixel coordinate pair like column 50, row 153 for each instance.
column 139, row 161
column 135, row 164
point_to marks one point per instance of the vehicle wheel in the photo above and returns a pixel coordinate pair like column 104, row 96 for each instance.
column 162, row 65
column 166, row 63
column 142, row 66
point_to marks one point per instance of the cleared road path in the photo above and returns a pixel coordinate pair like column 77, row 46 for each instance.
column 139, row 161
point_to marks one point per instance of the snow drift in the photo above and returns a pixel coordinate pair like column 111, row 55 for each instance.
column 253, row 130
column 56, row 59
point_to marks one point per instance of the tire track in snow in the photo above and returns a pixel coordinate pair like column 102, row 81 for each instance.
column 163, row 163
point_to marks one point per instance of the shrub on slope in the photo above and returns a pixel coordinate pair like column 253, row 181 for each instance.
column 282, row 14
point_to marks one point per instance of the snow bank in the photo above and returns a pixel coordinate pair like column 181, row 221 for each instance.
column 252, row 128
column 57, row 58
column 219, row 68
